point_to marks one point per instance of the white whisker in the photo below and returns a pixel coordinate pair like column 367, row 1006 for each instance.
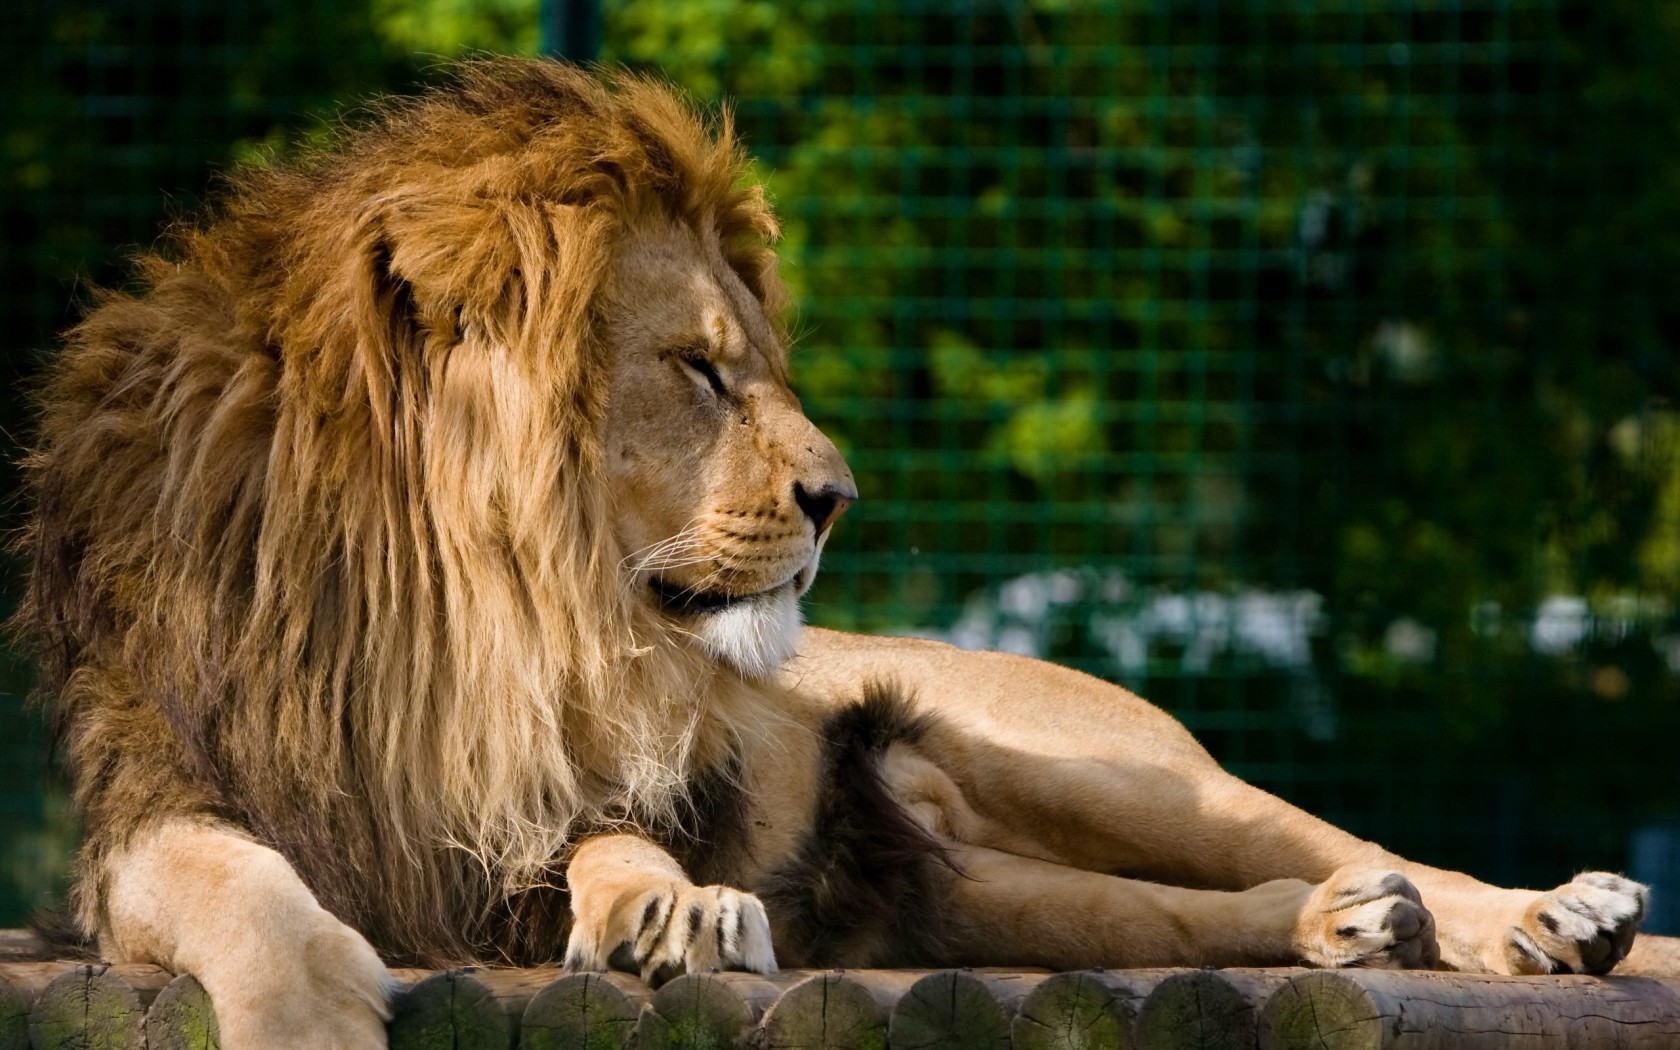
column 670, row 552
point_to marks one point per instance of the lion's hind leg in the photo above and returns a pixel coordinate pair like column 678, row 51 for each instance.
column 1012, row 910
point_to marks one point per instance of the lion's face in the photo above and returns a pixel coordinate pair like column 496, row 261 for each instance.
column 724, row 490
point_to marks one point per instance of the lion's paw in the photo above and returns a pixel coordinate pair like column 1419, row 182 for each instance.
column 1587, row 926
column 1366, row 917
column 330, row 992
column 686, row 929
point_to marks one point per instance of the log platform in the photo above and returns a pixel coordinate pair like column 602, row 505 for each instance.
column 75, row 1005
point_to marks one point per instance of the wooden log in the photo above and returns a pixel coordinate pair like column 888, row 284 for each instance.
column 23, row 946
column 1413, row 1010
column 448, row 1010
column 1207, row 1009
column 23, row 983
column 584, row 1011
column 90, row 1006
column 1092, row 1009
column 466, row 1009
column 32, row 978
column 710, row 1011
column 181, row 1018
column 959, row 1010
column 14, row 1017
column 837, row 1011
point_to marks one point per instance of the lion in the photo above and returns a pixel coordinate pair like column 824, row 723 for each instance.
column 417, row 552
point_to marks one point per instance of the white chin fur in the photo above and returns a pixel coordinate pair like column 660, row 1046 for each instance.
column 755, row 637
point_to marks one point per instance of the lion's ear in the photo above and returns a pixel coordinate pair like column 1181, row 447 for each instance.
column 523, row 268
column 453, row 256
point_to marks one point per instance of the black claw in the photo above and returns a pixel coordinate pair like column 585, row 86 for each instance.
column 665, row 972
column 1598, row 955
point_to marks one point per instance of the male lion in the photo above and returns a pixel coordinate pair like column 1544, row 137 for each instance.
column 417, row 560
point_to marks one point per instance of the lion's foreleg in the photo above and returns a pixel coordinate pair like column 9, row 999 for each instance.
column 283, row 973
column 633, row 908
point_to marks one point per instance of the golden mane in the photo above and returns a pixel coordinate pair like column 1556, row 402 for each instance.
column 326, row 493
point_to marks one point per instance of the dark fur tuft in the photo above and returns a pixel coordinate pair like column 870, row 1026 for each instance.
column 710, row 835
column 868, row 887
column 55, row 935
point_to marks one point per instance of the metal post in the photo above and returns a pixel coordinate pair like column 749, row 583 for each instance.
column 571, row 29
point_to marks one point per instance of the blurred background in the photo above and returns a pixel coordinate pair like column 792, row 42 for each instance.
column 1307, row 366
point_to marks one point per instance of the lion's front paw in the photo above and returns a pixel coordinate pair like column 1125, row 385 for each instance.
column 1587, row 926
column 323, row 989
column 1365, row 917
column 681, row 929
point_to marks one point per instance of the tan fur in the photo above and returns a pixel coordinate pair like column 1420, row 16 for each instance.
column 251, row 912
column 435, row 516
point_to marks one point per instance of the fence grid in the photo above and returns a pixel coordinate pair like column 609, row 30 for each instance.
column 1306, row 366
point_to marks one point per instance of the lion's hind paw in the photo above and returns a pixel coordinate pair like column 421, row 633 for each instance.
column 1364, row 917
column 1587, row 926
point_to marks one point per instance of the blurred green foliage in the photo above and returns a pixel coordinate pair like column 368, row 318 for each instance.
column 1306, row 365
column 448, row 28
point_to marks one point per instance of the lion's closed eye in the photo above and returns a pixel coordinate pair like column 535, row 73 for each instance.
column 699, row 368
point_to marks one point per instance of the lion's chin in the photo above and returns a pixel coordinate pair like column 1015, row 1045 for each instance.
column 755, row 635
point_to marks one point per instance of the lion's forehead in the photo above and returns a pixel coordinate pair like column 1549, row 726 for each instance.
column 671, row 286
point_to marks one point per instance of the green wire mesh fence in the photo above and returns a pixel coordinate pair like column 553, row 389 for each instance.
column 1307, row 367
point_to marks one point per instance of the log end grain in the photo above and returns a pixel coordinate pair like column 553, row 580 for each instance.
column 1206, row 1009
column 452, row 1010
column 1196, row 1011
column 949, row 1011
column 88, row 1006
column 826, row 1012
column 1321, row 1010
column 583, row 1011
column 697, row 1011
column 182, row 1018
column 1081, row 1009
column 14, row 1017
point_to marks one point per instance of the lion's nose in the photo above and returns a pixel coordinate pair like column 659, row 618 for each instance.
column 823, row 505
